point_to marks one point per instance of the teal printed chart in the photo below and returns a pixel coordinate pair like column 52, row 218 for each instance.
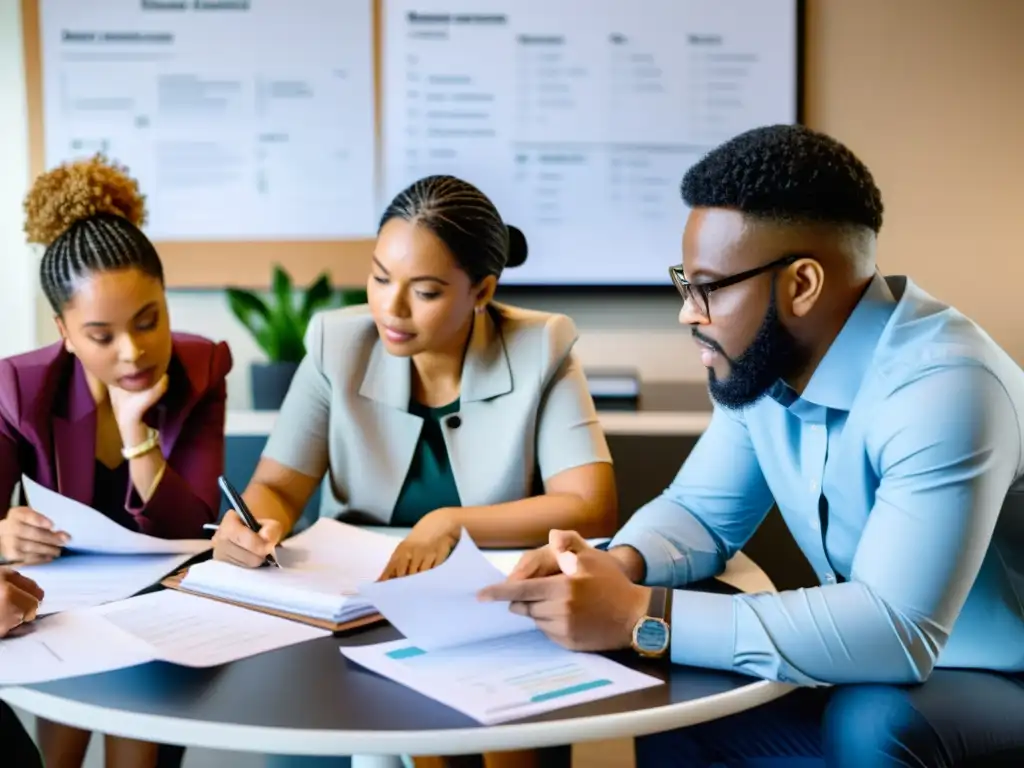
column 502, row 679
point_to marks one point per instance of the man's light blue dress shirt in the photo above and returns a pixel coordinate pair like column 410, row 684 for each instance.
column 911, row 428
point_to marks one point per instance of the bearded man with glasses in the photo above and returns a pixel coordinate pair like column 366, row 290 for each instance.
column 889, row 430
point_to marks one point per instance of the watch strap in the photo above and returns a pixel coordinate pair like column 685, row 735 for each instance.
column 660, row 605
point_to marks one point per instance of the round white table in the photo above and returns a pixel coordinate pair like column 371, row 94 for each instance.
column 309, row 700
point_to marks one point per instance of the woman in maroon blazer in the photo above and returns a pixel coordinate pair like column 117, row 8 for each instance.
column 122, row 414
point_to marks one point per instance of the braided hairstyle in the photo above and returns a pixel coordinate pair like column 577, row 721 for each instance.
column 87, row 214
column 465, row 220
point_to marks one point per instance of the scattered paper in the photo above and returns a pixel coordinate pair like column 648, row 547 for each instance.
column 320, row 576
column 480, row 658
column 95, row 533
column 83, row 581
column 505, row 678
column 66, row 645
column 161, row 626
column 195, row 632
column 439, row 607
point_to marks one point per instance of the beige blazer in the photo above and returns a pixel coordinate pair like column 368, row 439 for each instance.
column 525, row 412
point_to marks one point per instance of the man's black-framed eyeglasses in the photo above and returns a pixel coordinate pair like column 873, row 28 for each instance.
column 698, row 294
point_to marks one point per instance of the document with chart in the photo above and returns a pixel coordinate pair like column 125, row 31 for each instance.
column 479, row 658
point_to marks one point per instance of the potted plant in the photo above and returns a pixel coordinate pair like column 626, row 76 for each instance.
column 278, row 324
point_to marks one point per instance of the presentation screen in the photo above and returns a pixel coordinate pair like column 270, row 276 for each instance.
column 578, row 118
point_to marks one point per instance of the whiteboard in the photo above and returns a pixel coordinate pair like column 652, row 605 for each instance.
column 241, row 119
column 578, row 118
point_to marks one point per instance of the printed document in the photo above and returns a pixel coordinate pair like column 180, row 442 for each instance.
column 83, row 581
column 94, row 532
column 478, row 657
column 162, row 626
column 321, row 571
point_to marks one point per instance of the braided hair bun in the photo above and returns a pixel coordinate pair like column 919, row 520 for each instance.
column 78, row 190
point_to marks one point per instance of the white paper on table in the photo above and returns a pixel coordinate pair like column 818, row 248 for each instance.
column 505, row 678
column 66, row 645
column 480, row 658
column 196, row 632
column 95, row 533
column 439, row 607
column 321, row 571
column 83, row 581
column 161, row 626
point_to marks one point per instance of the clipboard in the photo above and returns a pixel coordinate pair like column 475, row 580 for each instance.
column 174, row 582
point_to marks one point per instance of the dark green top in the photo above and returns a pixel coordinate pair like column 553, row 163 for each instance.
column 430, row 483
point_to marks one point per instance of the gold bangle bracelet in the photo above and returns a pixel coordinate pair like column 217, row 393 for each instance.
column 152, row 441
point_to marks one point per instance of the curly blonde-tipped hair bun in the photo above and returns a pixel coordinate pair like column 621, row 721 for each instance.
column 77, row 190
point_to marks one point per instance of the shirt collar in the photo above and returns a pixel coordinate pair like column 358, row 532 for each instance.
column 838, row 377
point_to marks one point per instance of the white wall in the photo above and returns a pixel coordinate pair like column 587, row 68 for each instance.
column 17, row 265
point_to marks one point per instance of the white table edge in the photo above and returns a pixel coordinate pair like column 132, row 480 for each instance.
column 741, row 572
column 292, row 741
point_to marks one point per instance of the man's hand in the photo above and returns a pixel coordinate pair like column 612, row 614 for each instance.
column 544, row 561
column 19, row 600
column 428, row 545
column 589, row 605
column 28, row 537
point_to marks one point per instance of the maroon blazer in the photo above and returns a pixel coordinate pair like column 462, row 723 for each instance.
column 48, row 432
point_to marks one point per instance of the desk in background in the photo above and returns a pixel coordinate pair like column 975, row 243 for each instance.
column 649, row 442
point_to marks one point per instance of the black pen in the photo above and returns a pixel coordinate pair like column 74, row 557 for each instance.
column 242, row 509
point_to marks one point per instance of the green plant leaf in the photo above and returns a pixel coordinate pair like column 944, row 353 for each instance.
column 318, row 296
column 277, row 326
column 351, row 297
column 253, row 313
column 281, row 286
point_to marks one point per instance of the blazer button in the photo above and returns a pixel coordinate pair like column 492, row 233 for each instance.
column 454, row 422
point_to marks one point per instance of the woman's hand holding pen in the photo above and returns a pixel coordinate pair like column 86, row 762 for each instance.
column 28, row 537
column 236, row 543
column 428, row 545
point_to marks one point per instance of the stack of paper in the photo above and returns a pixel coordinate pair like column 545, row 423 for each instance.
column 476, row 657
column 321, row 572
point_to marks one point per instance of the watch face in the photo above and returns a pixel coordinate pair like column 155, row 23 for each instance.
column 652, row 636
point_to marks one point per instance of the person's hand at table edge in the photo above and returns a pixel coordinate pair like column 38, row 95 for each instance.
column 589, row 605
column 19, row 600
column 426, row 546
column 234, row 542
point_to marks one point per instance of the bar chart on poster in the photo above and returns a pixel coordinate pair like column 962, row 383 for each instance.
column 241, row 120
column 580, row 117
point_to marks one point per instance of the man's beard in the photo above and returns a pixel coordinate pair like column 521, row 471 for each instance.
column 774, row 354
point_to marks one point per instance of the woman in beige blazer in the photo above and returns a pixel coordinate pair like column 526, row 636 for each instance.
column 432, row 407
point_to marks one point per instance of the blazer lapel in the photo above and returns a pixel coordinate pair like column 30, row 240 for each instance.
column 486, row 377
column 74, row 440
column 389, row 432
column 486, row 372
